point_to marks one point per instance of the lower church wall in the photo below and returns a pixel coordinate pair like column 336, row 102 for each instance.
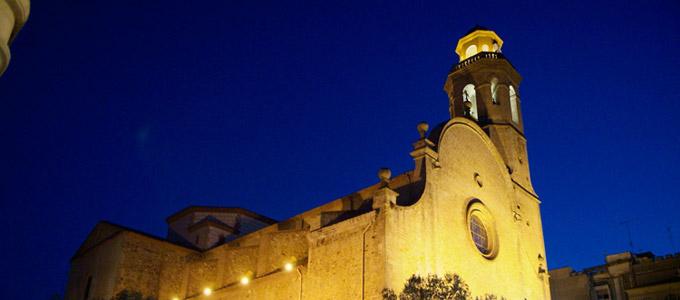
column 151, row 267
column 278, row 286
column 99, row 266
column 336, row 263
column 261, row 259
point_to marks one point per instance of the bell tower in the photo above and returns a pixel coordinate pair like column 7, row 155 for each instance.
column 484, row 86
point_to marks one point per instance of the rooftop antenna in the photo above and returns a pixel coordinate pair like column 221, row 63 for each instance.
column 630, row 238
column 670, row 237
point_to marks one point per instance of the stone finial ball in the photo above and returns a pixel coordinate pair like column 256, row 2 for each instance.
column 384, row 174
column 423, row 127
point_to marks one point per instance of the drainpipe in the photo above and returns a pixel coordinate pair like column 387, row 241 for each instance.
column 363, row 259
column 299, row 273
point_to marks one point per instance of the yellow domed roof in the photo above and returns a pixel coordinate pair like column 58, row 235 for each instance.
column 478, row 39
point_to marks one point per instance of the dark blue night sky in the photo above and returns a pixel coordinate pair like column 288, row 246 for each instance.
column 131, row 110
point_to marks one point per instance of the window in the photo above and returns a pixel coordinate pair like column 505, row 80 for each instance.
column 471, row 51
column 469, row 94
column 494, row 90
column 479, row 235
column 481, row 229
column 485, row 48
column 513, row 105
column 602, row 292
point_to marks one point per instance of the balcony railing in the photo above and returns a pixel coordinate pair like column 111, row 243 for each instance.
column 476, row 57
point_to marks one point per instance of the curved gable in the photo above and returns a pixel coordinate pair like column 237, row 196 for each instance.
column 463, row 143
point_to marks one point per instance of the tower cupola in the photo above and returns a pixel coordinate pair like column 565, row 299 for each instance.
column 483, row 85
column 478, row 39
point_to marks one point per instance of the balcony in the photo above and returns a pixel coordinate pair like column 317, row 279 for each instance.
column 479, row 56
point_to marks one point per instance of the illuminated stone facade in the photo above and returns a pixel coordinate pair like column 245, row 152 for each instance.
column 13, row 15
column 625, row 276
column 467, row 207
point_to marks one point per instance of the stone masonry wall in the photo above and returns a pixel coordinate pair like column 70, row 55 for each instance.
column 101, row 265
column 432, row 236
column 336, row 260
column 151, row 267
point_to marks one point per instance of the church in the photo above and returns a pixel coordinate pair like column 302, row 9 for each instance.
column 467, row 208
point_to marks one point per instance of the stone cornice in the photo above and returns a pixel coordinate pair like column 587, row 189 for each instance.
column 355, row 223
column 214, row 209
column 21, row 10
column 4, row 57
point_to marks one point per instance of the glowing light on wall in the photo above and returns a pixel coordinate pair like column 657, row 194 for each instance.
column 207, row 291
column 289, row 264
column 288, row 267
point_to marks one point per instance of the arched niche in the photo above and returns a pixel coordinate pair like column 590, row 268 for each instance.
column 470, row 51
column 470, row 94
column 494, row 89
column 514, row 111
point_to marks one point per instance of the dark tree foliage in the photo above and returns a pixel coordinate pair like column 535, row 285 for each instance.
column 489, row 297
column 450, row 287
column 433, row 287
column 389, row 294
